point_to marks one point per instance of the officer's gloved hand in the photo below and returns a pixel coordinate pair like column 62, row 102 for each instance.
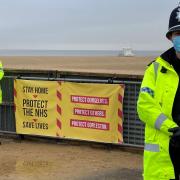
column 175, row 138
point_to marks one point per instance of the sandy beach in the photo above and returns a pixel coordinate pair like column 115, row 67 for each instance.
column 116, row 66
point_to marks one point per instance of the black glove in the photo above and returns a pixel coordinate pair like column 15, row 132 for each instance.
column 175, row 138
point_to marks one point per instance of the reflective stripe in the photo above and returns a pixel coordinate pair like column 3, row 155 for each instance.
column 156, row 66
column 161, row 118
column 152, row 147
column 148, row 90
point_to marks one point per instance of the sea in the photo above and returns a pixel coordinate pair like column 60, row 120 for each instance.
column 75, row 53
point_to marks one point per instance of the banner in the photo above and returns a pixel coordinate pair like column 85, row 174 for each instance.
column 35, row 107
column 92, row 111
column 83, row 111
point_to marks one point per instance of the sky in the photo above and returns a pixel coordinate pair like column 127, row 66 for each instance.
column 85, row 24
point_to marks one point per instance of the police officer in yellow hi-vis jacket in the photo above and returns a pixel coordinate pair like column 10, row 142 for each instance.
column 1, row 76
column 158, row 107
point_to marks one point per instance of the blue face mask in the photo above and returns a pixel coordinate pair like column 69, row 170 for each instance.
column 176, row 43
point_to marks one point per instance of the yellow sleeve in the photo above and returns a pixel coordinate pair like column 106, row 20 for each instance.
column 1, row 71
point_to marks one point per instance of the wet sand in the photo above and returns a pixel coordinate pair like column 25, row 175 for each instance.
column 31, row 160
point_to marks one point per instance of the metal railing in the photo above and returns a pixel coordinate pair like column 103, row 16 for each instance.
column 133, row 128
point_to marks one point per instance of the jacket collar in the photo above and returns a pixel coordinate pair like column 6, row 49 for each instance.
column 170, row 60
column 169, row 55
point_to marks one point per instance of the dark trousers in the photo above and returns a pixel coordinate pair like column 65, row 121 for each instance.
column 175, row 158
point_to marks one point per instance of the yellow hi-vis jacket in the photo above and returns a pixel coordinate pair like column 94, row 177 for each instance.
column 154, row 106
column 1, row 76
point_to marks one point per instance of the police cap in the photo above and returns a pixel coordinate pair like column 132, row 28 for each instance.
column 174, row 21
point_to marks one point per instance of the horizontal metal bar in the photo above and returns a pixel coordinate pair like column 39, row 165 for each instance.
column 12, row 77
column 126, row 82
column 79, row 140
column 132, row 145
column 8, row 132
column 83, row 80
column 77, row 80
column 7, row 103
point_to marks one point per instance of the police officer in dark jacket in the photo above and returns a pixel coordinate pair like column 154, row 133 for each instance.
column 173, row 57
